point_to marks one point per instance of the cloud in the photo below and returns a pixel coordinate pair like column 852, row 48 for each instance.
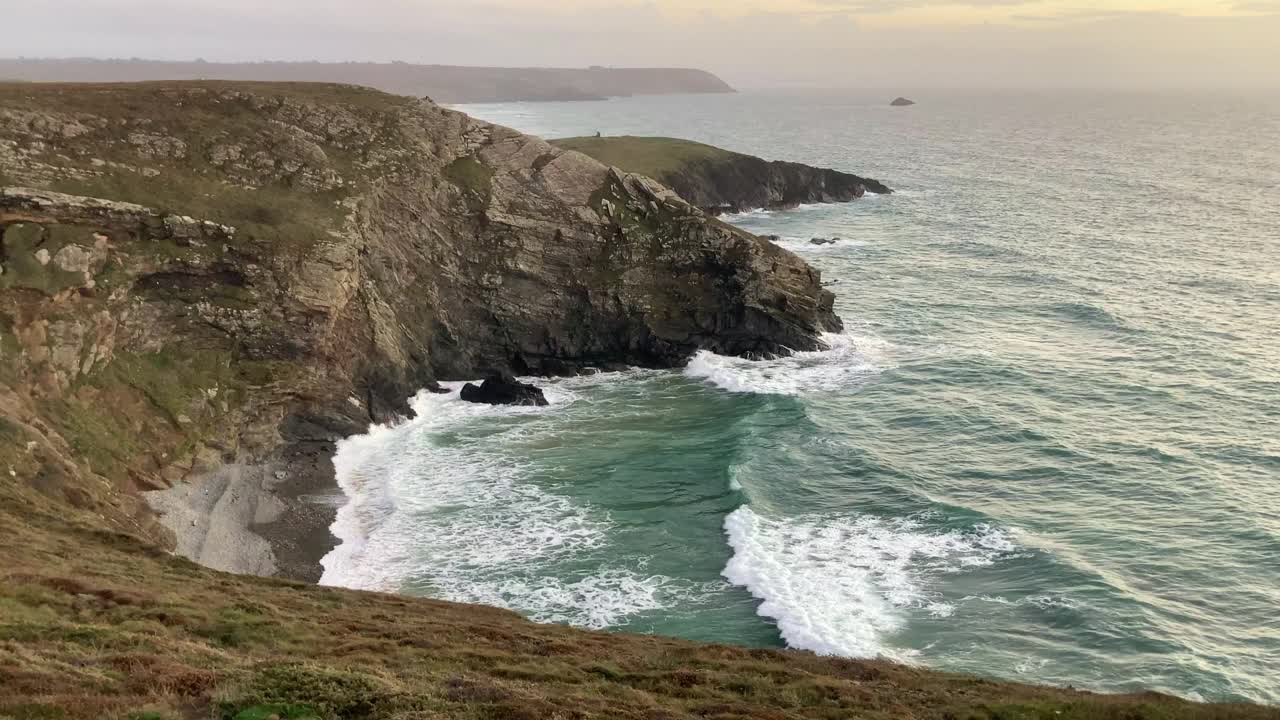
column 1258, row 6
column 892, row 6
column 1093, row 14
column 1047, row 43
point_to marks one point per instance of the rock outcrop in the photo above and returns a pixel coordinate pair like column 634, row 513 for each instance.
column 901, row 102
column 503, row 390
column 719, row 181
column 322, row 253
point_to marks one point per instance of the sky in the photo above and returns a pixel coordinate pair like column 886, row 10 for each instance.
column 750, row 43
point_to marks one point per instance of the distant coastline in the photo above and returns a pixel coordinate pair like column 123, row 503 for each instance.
column 442, row 83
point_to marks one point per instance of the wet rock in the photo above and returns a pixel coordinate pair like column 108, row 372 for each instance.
column 823, row 241
column 503, row 390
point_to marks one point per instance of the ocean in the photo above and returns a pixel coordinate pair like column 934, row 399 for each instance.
column 1046, row 447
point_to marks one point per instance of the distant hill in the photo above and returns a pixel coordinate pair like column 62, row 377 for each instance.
column 443, row 83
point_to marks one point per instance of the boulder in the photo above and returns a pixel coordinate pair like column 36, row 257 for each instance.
column 902, row 102
column 503, row 390
column 824, row 241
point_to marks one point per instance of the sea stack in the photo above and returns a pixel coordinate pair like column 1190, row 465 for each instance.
column 901, row 102
column 502, row 389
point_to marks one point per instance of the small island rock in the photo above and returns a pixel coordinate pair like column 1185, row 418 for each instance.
column 902, row 102
column 503, row 390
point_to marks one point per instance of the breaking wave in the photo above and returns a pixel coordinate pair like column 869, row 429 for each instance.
column 435, row 511
column 847, row 362
column 841, row 585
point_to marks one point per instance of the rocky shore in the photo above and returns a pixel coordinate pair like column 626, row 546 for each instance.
column 324, row 253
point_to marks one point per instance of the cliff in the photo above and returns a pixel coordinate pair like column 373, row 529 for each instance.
column 443, row 83
column 278, row 265
column 213, row 282
column 719, row 180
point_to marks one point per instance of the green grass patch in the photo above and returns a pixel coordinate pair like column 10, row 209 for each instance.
column 171, row 379
column 35, row 711
column 472, row 177
column 20, row 251
column 235, row 628
column 651, row 156
column 280, row 712
column 330, row 692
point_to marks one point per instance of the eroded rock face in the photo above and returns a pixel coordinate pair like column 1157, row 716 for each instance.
column 386, row 243
column 742, row 183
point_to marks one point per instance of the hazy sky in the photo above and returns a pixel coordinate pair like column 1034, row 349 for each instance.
column 838, row 43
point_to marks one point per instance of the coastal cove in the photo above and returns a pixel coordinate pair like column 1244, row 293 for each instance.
column 908, row 449
column 784, row 469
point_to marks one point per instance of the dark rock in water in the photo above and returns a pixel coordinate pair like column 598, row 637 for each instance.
column 902, row 102
column 824, row 241
column 771, row 238
column 503, row 390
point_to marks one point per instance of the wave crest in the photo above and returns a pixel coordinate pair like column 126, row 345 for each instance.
column 847, row 362
column 840, row 585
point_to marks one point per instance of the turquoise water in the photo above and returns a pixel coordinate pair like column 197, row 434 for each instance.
column 1046, row 448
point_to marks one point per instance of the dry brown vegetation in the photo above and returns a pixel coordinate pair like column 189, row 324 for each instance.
column 95, row 624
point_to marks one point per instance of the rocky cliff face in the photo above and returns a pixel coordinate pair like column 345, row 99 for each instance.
column 747, row 183
column 718, row 180
column 202, row 274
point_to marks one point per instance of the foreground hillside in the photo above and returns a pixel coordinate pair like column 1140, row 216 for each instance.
column 444, row 83
column 207, row 284
column 95, row 625
column 718, row 180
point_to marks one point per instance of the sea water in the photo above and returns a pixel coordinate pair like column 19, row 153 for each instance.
column 1046, row 448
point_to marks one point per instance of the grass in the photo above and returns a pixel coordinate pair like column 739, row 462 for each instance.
column 98, row 625
column 264, row 208
column 655, row 157
column 474, row 178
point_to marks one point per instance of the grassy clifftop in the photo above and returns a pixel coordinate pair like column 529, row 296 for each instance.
column 98, row 625
column 652, row 156
column 718, row 180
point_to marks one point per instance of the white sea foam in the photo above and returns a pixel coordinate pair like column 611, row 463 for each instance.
column 804, row 245
column 840, row 585
column 431, row 510
column 847, row 362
